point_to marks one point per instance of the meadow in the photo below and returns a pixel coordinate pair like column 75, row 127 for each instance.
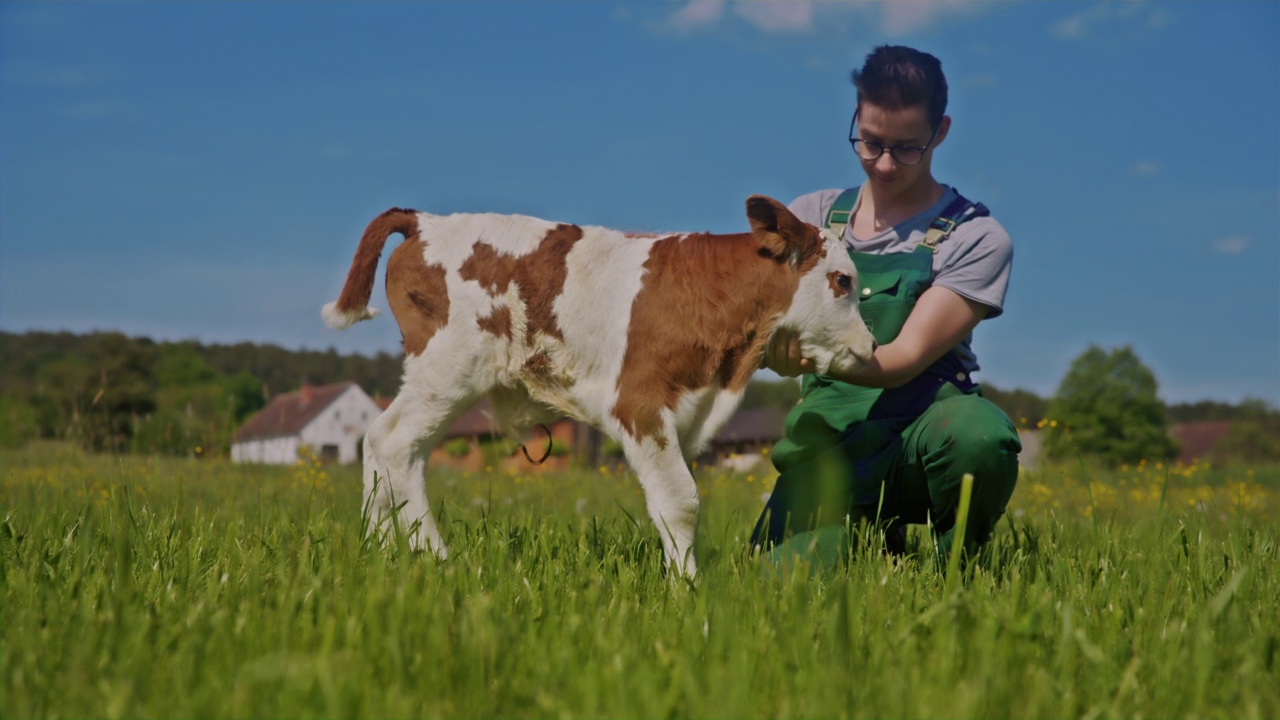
column 161, row 587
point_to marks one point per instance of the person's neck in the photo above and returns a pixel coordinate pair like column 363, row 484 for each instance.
column 889, row 210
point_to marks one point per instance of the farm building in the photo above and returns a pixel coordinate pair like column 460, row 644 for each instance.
column 329, row 419
column 463, row 446
column 744, row 442
column 741, row 444
column 1198, row 440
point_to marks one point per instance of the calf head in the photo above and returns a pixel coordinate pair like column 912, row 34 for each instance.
column 824, row 310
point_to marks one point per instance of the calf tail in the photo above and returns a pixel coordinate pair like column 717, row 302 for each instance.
column 352, row 305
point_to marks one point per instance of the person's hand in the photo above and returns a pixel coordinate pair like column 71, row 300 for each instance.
column 782, row 355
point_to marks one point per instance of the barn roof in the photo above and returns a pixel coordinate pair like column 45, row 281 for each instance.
column 475, row 421
column 289, row 412
column 753, row 425
column 1199, row 438
column 756, row 425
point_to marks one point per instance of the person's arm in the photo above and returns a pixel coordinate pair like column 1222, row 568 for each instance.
column 940, row 319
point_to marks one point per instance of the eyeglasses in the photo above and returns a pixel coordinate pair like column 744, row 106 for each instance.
column 902, row 154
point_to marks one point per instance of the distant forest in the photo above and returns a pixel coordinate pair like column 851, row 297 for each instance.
column 108, row 391
column 24, row 356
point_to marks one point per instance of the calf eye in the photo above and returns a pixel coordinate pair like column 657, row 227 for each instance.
column 841, row 283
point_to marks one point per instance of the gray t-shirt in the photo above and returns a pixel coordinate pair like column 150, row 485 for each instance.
column 974, row 262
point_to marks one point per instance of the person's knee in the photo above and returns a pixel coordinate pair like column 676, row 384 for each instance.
column 979, row 435
column 814, row 494
column 973, row 436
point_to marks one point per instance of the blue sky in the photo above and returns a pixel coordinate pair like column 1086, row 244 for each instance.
column 204, row 170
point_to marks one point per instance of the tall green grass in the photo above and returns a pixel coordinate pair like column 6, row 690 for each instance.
column 174, row 588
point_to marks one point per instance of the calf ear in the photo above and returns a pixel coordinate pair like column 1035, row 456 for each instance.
column 779, row 231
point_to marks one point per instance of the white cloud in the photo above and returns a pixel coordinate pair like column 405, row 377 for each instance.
column 1231, row 244
column 902, row 18
column 766, row 15
column 1158, row 18
column 891, row 18
column 1145, row 168
column 1083, row 23
column 775, row 16
column 980, row 81
column 697, row 13
column 1074, row 27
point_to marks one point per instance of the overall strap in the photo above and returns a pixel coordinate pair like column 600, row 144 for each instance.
column 841, row 211
column 958, row 211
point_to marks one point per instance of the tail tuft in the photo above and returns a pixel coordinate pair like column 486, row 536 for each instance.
column 341, row 320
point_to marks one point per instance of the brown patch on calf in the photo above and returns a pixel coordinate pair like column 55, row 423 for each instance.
column 417, row 294
column 497, row 323
column 539, row 276
column 538, row 363
column 703, row 315
column 488, row 267
column 833, row 279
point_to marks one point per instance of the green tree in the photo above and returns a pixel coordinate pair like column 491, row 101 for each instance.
column 245, row 394
column 1022, row 406
column 1203, row 410
column 181, row 365
column 1107, row 407
column 17, row 422
column 122, row 387
column 197, row 408
column 58, row 396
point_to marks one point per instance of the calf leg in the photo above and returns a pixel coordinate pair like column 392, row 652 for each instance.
column 395, row 452
column 671, row 497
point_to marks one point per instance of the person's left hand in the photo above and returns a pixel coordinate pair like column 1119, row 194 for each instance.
column 782, row 355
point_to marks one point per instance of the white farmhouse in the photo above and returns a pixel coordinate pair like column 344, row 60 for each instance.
column 329, row 419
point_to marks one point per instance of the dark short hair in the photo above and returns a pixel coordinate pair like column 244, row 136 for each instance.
column 898, row 77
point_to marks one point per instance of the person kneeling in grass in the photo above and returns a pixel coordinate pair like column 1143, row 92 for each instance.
column 890, row 444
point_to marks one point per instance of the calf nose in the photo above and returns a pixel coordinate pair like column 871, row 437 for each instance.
column 874, row 344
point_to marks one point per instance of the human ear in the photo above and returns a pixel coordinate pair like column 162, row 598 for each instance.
column 944, row 127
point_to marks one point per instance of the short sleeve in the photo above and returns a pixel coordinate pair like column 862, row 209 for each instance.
column 979, row 263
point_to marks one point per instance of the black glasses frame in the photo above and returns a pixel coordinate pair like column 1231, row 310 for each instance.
column 893, row 151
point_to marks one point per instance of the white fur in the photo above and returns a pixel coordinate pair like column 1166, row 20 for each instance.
column 338, row 320
column 828, row 336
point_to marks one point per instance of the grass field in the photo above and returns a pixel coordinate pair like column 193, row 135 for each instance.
column 154, row 587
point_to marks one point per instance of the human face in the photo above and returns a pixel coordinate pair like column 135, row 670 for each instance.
column 905, row 127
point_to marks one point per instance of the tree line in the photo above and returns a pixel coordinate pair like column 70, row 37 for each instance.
column 110, row 392
column 1107, row 407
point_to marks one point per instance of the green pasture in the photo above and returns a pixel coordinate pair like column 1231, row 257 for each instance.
column 156, row 587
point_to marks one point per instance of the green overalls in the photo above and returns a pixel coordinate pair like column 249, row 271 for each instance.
column 896, row 456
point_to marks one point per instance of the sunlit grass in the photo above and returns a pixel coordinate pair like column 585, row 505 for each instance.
column 158, row 587
column 1131, row 491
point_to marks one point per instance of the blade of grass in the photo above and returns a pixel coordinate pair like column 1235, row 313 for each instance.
column 958, row 533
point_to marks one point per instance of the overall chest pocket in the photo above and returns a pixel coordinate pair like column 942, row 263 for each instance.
column 886, row 299
column 882, row 286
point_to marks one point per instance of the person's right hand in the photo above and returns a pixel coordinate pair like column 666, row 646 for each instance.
column 782, row 355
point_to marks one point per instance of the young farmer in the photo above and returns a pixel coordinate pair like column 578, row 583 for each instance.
column 890, row 444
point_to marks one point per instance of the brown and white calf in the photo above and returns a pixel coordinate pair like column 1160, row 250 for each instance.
column 651, row 339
